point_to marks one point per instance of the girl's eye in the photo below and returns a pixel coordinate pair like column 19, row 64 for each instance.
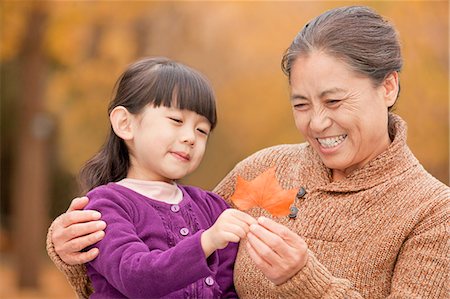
column 177, row 120
column 204, row 132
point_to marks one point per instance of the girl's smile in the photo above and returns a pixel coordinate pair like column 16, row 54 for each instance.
column 182, row 156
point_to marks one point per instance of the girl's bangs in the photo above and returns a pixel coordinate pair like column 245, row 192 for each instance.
column 184, row 88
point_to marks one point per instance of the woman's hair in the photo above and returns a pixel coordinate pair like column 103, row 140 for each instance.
column 156, row 81
column 356, row 35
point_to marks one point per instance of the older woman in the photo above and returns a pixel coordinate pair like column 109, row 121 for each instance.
column 368, row 220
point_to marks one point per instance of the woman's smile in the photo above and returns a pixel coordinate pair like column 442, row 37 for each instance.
column 330, row 142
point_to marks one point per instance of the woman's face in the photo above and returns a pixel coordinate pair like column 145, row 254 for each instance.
column 342, row 115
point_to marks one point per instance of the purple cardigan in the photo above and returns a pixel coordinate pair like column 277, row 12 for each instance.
column 152, row 249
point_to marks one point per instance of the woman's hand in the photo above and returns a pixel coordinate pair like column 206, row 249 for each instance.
column 277, row 251
column 75, row 230
column 231, row 226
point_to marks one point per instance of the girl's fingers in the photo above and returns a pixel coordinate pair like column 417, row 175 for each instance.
column 245, row 217
column 237, row 229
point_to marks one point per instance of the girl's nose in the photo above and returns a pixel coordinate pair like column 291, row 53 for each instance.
column 188, row 136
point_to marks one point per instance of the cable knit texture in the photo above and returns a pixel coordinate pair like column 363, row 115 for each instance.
column 76, row 275
column 380, row 233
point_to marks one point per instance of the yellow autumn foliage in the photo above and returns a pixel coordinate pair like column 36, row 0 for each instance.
column 238, row 46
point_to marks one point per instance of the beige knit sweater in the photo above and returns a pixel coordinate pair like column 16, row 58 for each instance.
column 382, row 232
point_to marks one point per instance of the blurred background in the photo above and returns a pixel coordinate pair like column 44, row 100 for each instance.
column 60, row 60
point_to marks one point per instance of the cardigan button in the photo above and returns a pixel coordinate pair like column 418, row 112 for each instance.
column 294, row 212
column 175, row 208
column 209, row 280
column 301, row 192
column 184, row 231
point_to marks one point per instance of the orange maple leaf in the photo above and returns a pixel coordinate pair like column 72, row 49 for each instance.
column 263, row 191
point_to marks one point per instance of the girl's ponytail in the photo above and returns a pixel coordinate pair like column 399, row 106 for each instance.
column 110, row 164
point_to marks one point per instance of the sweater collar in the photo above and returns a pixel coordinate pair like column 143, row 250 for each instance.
column 396, row 159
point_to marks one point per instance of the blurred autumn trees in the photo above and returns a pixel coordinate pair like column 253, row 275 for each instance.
column 63, row 69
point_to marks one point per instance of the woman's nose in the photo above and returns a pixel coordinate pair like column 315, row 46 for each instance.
column 319, row 121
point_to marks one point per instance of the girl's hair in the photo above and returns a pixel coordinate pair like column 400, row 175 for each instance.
column 156, row 81
column 355, row 34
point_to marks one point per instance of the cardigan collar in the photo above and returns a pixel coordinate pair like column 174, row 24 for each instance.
column 396, row 159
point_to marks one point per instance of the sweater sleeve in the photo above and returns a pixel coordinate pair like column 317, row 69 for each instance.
column 315, row 281
column 76, row 274
column 422, row 267
column 128, row 264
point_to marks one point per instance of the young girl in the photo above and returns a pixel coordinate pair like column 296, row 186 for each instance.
column 162, row 239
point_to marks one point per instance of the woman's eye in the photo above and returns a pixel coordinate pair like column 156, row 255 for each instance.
column 333, row 102
column 300, row 106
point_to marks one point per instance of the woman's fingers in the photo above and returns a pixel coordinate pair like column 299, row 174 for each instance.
column 81, row 257
column 262, row 250
column 70, row 218
column 257, row 259
column 277, row 236
column 84, row 257
column 79, row 230
column 78, row 244
column 277, row 251
column 78, row 203
column 70, row 251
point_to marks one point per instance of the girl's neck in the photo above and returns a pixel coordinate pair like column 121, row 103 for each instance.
column 157, row 190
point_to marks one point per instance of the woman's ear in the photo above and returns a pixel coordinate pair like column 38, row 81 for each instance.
column 121, row 120
column 391, row 88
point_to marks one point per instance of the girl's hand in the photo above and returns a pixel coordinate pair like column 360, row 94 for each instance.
column 277, row 251
column 231, row 226
column 75, row 230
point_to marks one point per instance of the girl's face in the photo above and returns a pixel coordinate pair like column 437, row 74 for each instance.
column 167, row 143
column 340, row 113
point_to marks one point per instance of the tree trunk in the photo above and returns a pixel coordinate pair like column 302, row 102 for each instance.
column 30, row 173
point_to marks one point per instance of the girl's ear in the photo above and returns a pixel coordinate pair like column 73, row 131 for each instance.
column 121, row 119
column 391, row 88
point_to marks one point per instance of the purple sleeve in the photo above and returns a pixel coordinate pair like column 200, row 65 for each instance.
column 224, row 275
column 130, row 266
column 227, row 256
